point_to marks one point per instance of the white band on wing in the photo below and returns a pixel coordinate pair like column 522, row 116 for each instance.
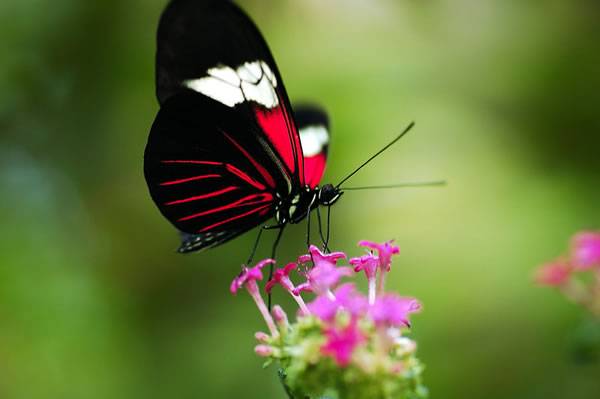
column 251, row 81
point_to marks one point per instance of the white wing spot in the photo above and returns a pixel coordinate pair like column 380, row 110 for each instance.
column 226, row 74
column 251, row 81
column 263, row 93
column 313, row 139
column 269, row 73
column 250, row 72
column 217, row 90
column 255, row 69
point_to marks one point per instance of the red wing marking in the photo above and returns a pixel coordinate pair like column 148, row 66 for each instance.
column 282, row 134
column 203, row 196
column 268, row 178
column 229, row 168
column 244, row 177
column 273, row 124
column 187, row 179
column 264, row 209
column 192, row 161
column 313, row 169
column 253, row 199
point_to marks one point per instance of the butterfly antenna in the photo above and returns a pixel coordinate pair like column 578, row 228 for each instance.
column 415, row 184
column 391, row 143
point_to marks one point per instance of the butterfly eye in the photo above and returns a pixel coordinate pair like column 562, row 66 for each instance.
column 328, row 194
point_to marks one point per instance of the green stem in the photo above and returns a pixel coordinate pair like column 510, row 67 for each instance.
column 286, row 388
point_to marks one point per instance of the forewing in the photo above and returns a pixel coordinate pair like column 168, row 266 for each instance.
column 206, row 171
column 313, row 126
column 213, row 48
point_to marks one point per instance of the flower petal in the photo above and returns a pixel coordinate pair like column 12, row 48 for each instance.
column 341, row 343
column 586, row 250
column 249, row 274
column 391, row 310
column 384, row 252
column 554, row 273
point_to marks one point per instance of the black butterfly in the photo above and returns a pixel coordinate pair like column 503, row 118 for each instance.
column 226, row 152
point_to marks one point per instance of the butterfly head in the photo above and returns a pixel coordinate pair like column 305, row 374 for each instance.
column 328, row 194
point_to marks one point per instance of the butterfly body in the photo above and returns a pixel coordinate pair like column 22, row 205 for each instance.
column 296, row 207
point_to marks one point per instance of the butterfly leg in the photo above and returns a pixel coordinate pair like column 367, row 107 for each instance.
column 251, row 257
column 273, row 254
column 308, row 229
column 328, row 226
column 308, row 235
column 325, row 247
column 260, row 231
column 310, row 207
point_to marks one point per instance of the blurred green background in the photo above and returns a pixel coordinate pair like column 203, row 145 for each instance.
column 95, row 303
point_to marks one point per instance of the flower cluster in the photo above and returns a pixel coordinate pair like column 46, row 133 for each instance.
column 571, row 274
column 342, row 343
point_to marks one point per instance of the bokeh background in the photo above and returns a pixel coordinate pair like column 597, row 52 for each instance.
column 95, row 303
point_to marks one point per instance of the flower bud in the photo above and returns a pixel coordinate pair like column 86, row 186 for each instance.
column 280, row 316
column 263, row 350
column 261, row 336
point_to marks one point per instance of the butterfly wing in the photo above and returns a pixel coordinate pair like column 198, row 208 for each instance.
column 224, row 146
column 213, row 48
column 313, row 127
column 208, row 176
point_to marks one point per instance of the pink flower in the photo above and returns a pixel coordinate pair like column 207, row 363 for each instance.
column 325, row 274
column 282, row 276
column 367, row 263
column 345, row 298
column 553, row 274
column 384, row 252
column 391, row 310
column 323, row 307
column 586, row 250
column 341, row 343
column 247, row 279
column 248, row 276
column 319, row 258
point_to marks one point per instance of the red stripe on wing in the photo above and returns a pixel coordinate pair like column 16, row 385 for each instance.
column 230, row 168
column 203, row 196
column 188, row 179
column 268, row 178
column 191, row 161
column 244, row 177
column 253, row 199
column 263, row 208
column 281, row 132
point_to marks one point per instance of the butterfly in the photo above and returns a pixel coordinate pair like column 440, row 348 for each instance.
column 227, row 152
